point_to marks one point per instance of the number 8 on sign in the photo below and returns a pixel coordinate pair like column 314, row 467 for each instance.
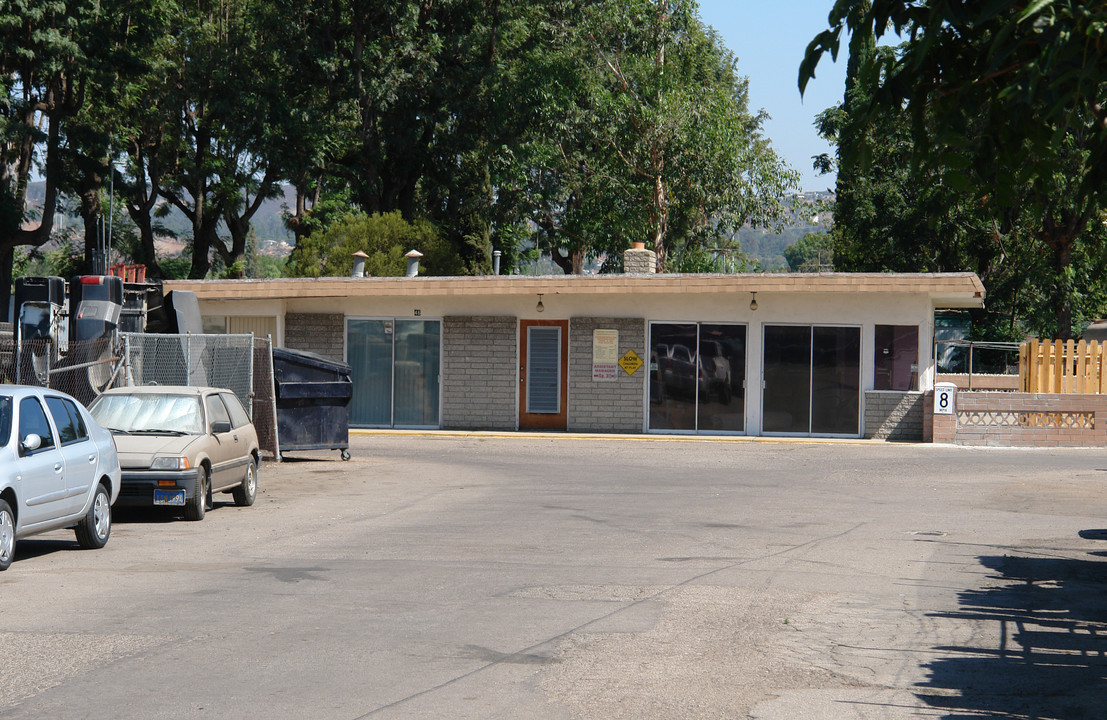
column 943, row 400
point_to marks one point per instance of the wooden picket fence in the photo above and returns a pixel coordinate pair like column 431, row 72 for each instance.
column 1061, row 366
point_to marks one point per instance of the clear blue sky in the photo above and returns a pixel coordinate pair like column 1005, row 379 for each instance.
column 769, row 39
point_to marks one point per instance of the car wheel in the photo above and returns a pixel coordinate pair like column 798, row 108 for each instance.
column 7, row 535
column 95, row 527
column 245, row 493
column 197, row 505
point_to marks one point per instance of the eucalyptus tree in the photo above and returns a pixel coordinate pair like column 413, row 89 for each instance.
column 416, row 99
column 223, row 95
column 140, row 118
column 649, row 138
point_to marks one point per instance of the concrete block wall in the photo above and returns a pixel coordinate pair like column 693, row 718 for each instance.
column 480, row 372
column 320, row 333
column 952, row 429
column 606, row 405
column 894, row 415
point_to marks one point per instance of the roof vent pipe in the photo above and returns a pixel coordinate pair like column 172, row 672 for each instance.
column 413, row 263
column 496, row 262
column 359, row 264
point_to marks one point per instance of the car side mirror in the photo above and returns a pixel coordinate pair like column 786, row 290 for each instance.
column 31, row 443
column 220, row 427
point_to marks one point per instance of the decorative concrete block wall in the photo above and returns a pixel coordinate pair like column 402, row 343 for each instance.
column 606, row 405
column 894, row 415
column 480, row 372
column 1006, row 419
column 322, row 334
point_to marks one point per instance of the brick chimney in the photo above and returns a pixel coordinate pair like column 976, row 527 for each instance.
column 638, row 260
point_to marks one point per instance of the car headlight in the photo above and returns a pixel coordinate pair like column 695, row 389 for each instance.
column 170, row 463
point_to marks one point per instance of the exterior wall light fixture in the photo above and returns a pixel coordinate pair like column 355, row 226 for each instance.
column 753, row 301
column 539, row 307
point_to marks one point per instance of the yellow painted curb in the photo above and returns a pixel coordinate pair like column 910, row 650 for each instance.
column 643, row 437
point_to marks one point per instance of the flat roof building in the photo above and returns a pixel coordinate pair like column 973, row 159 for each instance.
column 758, row 354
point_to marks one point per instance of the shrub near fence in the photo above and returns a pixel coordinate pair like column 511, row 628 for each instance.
column 1062, row 367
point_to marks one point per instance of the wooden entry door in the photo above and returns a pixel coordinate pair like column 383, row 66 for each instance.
column 543, row 374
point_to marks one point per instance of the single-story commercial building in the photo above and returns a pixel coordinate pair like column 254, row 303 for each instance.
column 827, row 354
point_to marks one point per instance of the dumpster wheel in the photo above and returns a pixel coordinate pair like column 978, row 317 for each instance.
column 345, row 454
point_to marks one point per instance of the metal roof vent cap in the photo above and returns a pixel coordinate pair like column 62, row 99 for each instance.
column 413, row 263
column 359, row 264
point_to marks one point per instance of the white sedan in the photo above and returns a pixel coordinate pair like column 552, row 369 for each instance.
column 58, row 469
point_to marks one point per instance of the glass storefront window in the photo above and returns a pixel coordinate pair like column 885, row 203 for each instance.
column 697, row 377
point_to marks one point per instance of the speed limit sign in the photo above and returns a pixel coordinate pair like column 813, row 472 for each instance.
column 943, row 399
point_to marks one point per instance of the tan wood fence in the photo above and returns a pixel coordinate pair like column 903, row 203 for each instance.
column 1061, row 366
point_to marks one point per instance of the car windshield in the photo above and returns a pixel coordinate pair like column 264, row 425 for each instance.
column 5, row 419
column 149, row 412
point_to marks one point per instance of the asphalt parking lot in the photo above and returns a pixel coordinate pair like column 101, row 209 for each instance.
column 443, row 576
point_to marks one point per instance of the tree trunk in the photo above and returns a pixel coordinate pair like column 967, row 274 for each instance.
column 15, row 236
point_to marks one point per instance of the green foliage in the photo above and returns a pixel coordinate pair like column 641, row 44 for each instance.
column 644, row 134
column 65, row 260
column 997, row 165
column 266, row 266
column 814, row 252
column 385, row 238
column 176, row 268
column 555, row 126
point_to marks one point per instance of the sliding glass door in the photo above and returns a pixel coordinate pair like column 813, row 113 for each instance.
column 812, row 380
column 395, row 366
column 697, row 379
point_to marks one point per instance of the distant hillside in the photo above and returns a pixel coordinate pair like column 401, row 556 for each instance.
column 810, row 214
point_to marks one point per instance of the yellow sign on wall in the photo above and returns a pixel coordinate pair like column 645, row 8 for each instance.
column 630, row 362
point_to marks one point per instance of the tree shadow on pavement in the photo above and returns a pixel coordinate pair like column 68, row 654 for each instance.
column 1051, row 657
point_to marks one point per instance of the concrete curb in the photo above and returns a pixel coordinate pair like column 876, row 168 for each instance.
column 642, row 437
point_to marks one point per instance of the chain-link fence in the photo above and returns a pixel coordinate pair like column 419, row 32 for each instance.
column 242, row 364
column 85, row 370
column 224, row 361
column 265, row 400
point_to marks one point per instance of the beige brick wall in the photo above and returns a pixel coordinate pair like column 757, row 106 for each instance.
column 323, row 334
column 479, row 372
column 606, row 405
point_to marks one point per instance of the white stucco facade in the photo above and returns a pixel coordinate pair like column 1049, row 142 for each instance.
column 829, row 299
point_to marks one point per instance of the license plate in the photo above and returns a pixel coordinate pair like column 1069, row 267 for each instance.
column 169, row 497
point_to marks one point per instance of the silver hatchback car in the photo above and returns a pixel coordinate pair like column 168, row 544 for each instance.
column 58, row 469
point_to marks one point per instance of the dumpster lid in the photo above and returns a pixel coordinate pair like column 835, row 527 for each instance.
column 310, row 359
